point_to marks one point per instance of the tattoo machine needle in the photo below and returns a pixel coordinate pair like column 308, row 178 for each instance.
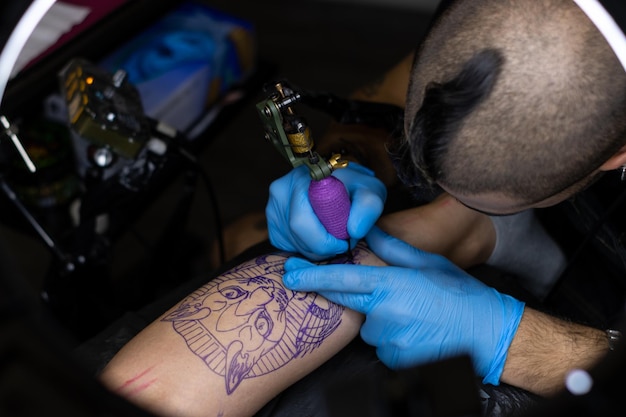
column 291, row 136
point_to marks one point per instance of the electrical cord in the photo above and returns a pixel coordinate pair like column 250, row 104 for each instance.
column 179, row 140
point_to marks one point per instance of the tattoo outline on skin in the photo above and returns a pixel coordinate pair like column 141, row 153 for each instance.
column 260, row 324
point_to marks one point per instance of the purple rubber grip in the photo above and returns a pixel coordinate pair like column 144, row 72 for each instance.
column 331, row 203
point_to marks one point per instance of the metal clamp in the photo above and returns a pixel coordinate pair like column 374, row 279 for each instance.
column 613, row 336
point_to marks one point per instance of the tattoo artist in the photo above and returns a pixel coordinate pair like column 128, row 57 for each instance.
column 512, row 105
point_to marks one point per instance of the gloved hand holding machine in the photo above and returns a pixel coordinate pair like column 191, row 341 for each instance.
column 346, row 201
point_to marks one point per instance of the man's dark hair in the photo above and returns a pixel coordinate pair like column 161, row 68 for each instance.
column 443, row 109
column 518, row 97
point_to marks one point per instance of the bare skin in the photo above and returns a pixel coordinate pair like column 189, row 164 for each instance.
column 546, row 348
column 470, row 235
column 233, row 344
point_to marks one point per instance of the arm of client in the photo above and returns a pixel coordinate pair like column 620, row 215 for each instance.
column 242, row 338
column 233, row 344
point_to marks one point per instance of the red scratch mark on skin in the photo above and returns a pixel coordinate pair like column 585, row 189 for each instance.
column 136, row 384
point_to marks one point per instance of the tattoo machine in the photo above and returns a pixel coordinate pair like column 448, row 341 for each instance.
column 291, row 136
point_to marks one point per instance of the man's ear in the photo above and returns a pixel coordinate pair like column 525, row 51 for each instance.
column 616, row 161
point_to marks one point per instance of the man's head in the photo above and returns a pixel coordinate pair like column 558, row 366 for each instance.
column 514, row 104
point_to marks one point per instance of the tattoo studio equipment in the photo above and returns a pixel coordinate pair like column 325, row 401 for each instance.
column 122, row 156
column 291, row 136
column 38, row 375
column 119, row 145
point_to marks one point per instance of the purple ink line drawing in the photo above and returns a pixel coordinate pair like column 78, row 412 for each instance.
column 245, row 323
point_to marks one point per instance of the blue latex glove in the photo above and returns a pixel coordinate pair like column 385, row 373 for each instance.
column 423, row 309
column 294, row 227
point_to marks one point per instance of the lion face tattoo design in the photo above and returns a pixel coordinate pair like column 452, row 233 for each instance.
column 245, row 323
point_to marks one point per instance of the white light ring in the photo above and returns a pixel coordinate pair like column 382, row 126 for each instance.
column 607, row 26
column 18, row 38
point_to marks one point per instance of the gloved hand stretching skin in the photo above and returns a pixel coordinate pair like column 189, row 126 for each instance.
column 422, row 309
column 294, row 227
